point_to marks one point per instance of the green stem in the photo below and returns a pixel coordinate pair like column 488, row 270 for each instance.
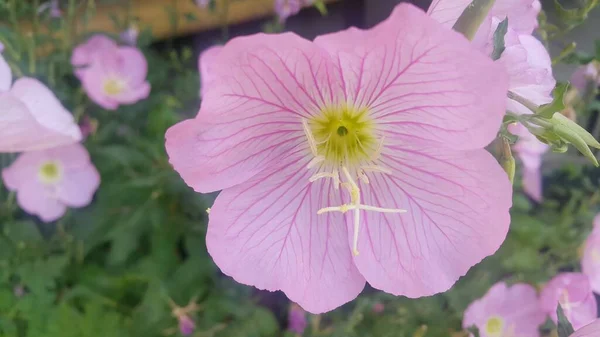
column 15, row 23
column 472, row 17
column 527, row 103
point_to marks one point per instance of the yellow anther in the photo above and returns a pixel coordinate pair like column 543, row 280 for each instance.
column 208, row 210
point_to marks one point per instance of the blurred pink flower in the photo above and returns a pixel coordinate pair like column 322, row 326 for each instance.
column 365, row 123
column 586, row 74
column 186, row 325
column 530, row 151
column 506, row 311
column 130, row 35
column 117, row 77
column 378, row 307
column 34, row 119
column 590, row 330
column 202, row 3
column 575, row 295
column 205, row 61
column 87, row 53
column 590, row 262
column 296, row 319
column 5, row 75
column 49, row 181
column 287, row 8
column 52, row 6
column 527, row 61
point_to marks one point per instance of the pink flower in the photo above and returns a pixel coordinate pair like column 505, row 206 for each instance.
column 528, row 63
column 202, row 3
column 505, row 311
column 585, row 75
column 205, row 61
column 368, row 123
column 287, row 8
column 130, row 35
column 530, row 151
column 117, row 77
column 34, row 119
column 590, row 330
column 378, row 307
column 590, row 263
column 186, row 325
column 52, row 6
column 296, row 319
column 87, row 53
column 574, row 293
column 5, row 75
column 49, row 181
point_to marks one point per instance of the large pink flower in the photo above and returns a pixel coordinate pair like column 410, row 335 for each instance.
column 366, row 123
column 530, row 151
column 590, row 263
column 573, row 292
column 5, row 75
column 527, row 61
column 590, row 330
column 34, row 119
column 205, row 61
column 47, row 182
column 506, row 311
column 117, row 77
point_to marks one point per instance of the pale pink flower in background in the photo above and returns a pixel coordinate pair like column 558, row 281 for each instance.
column 590, row 330
column 52, row 6
column 34, row 119
column 527, row 61
column 85, row 54
column 49, row 181
column 287, row 8
column 205, row 61
column 117, row 77
column 367, row 123
column 202, row 3
column 586, row 75
column 506, row 311
column 296, row 319
column 5, row 75
column 590, row 262
column 575, row 295
column 378, row 308
column 130, row 35
column 530, row 151
column 186, row 325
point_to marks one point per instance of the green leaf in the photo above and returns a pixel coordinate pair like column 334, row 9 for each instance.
column 565, row 53
column 472, row 17
column 499, row 34
column 321, row 7
column 23, row 233
column 597, row 45
column 474, row 330
column 564, row 327
column 557, row 104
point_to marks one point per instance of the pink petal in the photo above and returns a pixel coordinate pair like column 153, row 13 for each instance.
column 530, row 72
column 131, row 64
column 264, row 85
column 584, row 75
column 35, row 199
column 437, row 87
column 22, row 170
column 590, row 330
column 92, row 80
column 518, row 305
column 457, row 205
column 205, row 61
column 590, row 263
column 34, row 119
column 266, row 233
column 532, row 183
column 583, row 308
column 89, row 51
column 78, row 189
column 447, row 12
column 5, row 75
column 522, row 14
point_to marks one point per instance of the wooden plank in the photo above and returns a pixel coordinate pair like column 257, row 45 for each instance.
column 156, row 14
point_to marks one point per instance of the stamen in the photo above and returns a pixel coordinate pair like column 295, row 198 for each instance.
column 376, row 168
column 311, row 139
column 363, row 177
column 316, row 160
column 377, row 152
column 345, row 208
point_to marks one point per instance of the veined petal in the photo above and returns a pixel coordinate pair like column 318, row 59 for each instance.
column 590, row 330
column 457, row 214
column 418, row 77
column 263, row 86
column 266, row 233
column 34, row 119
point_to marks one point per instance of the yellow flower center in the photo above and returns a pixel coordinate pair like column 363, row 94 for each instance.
column 113, row 86
column 343, row 142
column 494, row 326
column 50, row 172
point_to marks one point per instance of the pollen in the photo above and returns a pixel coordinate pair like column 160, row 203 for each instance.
column 50, row 172
column 113, row 86
column 494, row 326
column 344, row 144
